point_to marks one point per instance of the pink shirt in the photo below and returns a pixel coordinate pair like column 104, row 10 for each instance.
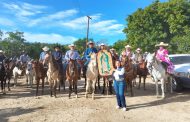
column 162, row 55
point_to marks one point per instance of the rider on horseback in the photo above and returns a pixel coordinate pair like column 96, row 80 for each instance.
column 138, row 58
column 24, row 58
column 58, row 55
column 162, row 56
column 42, row 54
column 72, row 54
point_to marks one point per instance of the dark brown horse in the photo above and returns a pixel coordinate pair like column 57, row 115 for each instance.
column 2, row 77
column 9, row 65
column 40, row 74
column 142, row 72
column 72, row 76
column 130, row 73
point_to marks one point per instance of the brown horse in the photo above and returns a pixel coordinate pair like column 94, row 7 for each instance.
column 72, row 76
column 40, row 73
column 142, row 71
column 53, row 73
column 130, row 73
column 9, row 65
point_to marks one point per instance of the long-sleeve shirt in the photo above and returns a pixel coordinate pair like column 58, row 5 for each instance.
column 89, row 51
column 42, row 56
column 24, row 58
column 119, row 74
column 72, row 54
column 2, row 57
column 58, row 56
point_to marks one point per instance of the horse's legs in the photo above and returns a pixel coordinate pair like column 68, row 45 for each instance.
column 139, row 81
column 156, row 82
column 104, row 85
column 110, row 87
column 144, row 81
column 99, row 83
column 42, row 86
column 93, row 88
column 75, row 82
column 87, row 88
column 37, row 86
column 162, row 87
column 70, row 88
column 55, row 87
column 51, row 88
column 131, row 88
column 9, row 84
column 171, row 79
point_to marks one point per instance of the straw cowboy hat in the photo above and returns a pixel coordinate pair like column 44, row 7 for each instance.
column 71, row 45
column 128, row 46
column 102, row 44
column 162, row 44
column 90, row 42
column 45, row 48
column 138, row 49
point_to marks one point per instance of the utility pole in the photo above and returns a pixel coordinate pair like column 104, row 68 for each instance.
column 87, row 30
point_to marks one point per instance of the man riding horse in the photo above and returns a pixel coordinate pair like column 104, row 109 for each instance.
column 87, row 54
column 2, row 56
column 72, row 54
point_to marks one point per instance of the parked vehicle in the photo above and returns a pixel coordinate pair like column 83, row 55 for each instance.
column 181, row 72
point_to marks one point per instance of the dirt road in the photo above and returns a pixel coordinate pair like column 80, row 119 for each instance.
column 20, row 104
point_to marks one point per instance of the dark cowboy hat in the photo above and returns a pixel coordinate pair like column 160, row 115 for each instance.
column 57, row 46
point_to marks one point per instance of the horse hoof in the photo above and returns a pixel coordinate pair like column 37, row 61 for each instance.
column 76, row 96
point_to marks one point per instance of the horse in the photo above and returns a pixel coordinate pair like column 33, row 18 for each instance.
column 16, row 72
column 40, row 73
column 9, row 64
column 2, row 77
column 91, row 75
column 142, row 72
column 53, row 73
column 159, row 73
column 72, row 76
column 130, row 73
column 29, row 73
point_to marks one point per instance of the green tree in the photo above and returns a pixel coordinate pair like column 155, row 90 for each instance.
column 159, row 22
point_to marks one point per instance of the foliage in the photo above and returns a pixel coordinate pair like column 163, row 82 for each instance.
column 168, row 22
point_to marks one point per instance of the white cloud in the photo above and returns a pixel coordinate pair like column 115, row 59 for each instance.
column 54, row 17
column 49, row 38
column 24, row 9
column 6, row 22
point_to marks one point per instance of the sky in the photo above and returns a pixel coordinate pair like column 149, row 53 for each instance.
column 64, row 21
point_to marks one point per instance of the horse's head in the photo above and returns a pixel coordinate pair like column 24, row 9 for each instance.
column 93, row 60
column 48, row 58
column 150, row 59
column 72, row 66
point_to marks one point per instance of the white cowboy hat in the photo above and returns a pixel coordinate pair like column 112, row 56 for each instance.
column 112, row 49
column 162, row 44
column 71, row 45
column 102, row 44
column 138, row 49
column 1, row 51
column 90, row 42
column 128, row 46
column 45, row 48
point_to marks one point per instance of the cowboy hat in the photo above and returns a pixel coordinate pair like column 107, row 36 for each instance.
column 71, row 45
column 1, row 51
column 162, row 44
column 102, row 44
column 90, row 42
column 45, row 48
column 128, row 46
column 57, row 46
column 138, row 49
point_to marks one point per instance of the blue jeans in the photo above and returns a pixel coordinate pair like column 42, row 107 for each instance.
column 119, row 87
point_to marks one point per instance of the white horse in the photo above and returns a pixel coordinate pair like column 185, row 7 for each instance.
column 91, row 75
column 29, row 74
column 16, row 73
column 158, row 73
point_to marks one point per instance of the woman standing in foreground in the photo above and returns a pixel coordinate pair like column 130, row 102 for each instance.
column 119, row 86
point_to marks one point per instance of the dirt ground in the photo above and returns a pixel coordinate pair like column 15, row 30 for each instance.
column 20, row 104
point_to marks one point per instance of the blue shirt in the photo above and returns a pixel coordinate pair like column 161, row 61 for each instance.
column 89, row 51
column 24, row 58
column 42, row 56
column 58, row 56
column 72, row 54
